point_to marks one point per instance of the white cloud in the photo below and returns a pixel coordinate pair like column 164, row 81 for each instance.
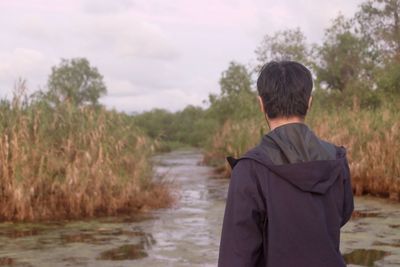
column 24, row 63
column 313, row 17
column 106, row 6
column 129, row 37
column 121, row 35
column 173, row 100
column 151, row 52
column 20, row 61
column 121, row 88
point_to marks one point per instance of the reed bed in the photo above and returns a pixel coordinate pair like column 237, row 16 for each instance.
column 69, row 162
column 233, row 139
column 372, row 139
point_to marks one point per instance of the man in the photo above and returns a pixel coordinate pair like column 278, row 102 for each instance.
column 290, row 195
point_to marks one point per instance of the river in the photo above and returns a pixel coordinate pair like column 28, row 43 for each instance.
column 186, row 234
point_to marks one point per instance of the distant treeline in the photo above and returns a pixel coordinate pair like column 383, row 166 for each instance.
column 356, row 98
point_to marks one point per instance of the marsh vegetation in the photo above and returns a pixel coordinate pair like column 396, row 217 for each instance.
column 63, row 156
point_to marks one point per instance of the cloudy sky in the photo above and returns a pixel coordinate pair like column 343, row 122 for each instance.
column 152, row 53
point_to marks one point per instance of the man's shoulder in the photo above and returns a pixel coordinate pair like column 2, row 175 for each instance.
column 255, row 155
column 328, row 145
column 246, row 158
column 332, row 148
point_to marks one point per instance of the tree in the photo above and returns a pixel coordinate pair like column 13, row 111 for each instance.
column 157, row 123
column 234, row 80
column 187, row 127
column 341, row 58
column 76, row 82
column 379, row 23
column 236, row 99
column 283, row 45
column 389, row 79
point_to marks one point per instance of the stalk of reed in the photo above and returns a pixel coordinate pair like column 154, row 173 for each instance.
column 71, row 162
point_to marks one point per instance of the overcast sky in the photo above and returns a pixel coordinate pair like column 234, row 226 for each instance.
column 152, row 53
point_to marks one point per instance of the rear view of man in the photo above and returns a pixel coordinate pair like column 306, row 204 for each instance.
column 290, row 195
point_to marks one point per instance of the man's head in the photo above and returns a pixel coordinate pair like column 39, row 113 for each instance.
column 284, row 90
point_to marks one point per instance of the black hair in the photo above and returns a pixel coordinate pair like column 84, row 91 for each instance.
column 285, row 88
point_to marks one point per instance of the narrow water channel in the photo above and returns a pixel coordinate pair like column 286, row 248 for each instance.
column 184, row 235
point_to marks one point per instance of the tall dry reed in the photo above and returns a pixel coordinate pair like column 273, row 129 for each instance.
column 233, row 139
column 72, row 162
column 372, row 139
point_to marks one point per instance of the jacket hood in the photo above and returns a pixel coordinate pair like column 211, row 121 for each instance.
column 294, row 153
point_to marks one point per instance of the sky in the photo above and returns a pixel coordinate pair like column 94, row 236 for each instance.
column 152, row 53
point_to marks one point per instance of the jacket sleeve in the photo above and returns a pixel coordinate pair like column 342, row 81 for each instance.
column 242, row 234
column 348, row 204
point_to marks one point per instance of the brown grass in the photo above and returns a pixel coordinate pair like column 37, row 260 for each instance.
column 232, row 139
column 372, row 139
column 69, row 162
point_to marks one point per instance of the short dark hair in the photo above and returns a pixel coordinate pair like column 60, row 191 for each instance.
column 285, row 88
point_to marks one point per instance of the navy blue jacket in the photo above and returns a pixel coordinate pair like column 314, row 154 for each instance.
column 287, row 200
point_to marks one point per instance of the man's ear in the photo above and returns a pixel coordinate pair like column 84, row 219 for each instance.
column 261, row 104
column 309, row 103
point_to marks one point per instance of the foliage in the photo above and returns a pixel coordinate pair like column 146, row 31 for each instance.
column 341, row 56
column 174, row 129
column 157, row 123
column 378, row 22
column 389, row 78
column 190, row 126
column 75, row 81
column 234, row 80
column 288, row 44
column 236, row 99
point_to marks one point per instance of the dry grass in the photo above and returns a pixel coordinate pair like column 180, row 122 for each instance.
column 372, row 139
column 233, row 139
column 69, row 162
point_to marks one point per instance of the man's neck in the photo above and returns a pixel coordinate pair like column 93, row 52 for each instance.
column 274, row 123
